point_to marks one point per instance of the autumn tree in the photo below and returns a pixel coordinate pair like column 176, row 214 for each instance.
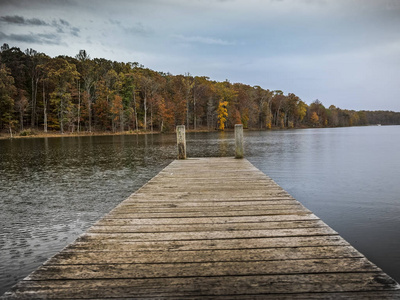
column 211, row 113
column 101, row 107
column 301, row 112
column 314, row 118
column 87, row 70
column 278, row 104
column 21, row 105
column 43, row 70
column 106, row 89
column 238, row 108
column 263, row 98
column 333, row 116
column 16, row 63
column 222, row 114
column 7, row 91
column 225, row 93
column 155, row 90
column 202, row 91
column 146, row 86
column 294, row 110
column 63, row 75
column 164, row 115
column 32, row 65
column 187, row 87
column 175, row 94
column 317, row 107
column 117, row 113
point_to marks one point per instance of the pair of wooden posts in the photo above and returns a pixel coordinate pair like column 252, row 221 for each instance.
column 181, row 140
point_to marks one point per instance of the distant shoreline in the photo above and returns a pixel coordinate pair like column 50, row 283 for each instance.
column 41, row 134
column 54, row 134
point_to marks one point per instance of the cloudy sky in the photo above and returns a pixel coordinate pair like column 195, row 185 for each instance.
column 342, row 52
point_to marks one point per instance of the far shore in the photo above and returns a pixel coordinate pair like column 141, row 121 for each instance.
column 41, row 134
column 37, row 133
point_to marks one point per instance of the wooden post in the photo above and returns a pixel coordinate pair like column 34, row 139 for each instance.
column 181, row 141
column 238, row 141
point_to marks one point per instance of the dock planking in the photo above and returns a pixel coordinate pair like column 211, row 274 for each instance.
column 209, row 228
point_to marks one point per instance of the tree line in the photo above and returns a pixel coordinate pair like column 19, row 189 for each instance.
column 75, row 94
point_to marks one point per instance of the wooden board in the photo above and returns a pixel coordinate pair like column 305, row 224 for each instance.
column 208, row 228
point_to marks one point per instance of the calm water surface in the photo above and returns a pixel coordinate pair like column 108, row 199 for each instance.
column 53, row 189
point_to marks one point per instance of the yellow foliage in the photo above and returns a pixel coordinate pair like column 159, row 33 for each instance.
column 222, row 114
column 301, row 110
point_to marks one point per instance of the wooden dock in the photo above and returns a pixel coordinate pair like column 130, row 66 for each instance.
column 209, row 228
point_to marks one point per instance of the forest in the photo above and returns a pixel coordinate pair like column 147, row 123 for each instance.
column 81, row 94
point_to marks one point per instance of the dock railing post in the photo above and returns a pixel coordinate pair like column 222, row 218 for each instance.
column 239, row 141
column 181, row 141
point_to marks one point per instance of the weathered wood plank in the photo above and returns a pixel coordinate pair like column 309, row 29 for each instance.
column 209, row 187
column 201, row 214
column 147, row 257
column 208, row 235
column 184, row 245
column 205, row 227
column 256, row 182
column 151, row 202
column 263, row 285
column 203, row 209
column 210, row 269
column 182, row 198
column 204, row 195
column 208, row 220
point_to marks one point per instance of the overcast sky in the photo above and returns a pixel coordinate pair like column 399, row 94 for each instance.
column 342, row 52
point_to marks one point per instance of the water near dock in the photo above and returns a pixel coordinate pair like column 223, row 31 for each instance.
column 52, row 190
column 209, row 227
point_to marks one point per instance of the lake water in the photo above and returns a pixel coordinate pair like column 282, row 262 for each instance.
column 53, row 189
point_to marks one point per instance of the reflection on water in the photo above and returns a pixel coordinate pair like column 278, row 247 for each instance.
column 53, row 189
column 349, row 177
column 223, row 143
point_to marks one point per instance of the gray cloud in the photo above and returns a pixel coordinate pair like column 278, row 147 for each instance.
column 27, row 38
column 19, row 20
column 37, row 3
column 41, row 39
column 61, row 25
column 64, row 23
